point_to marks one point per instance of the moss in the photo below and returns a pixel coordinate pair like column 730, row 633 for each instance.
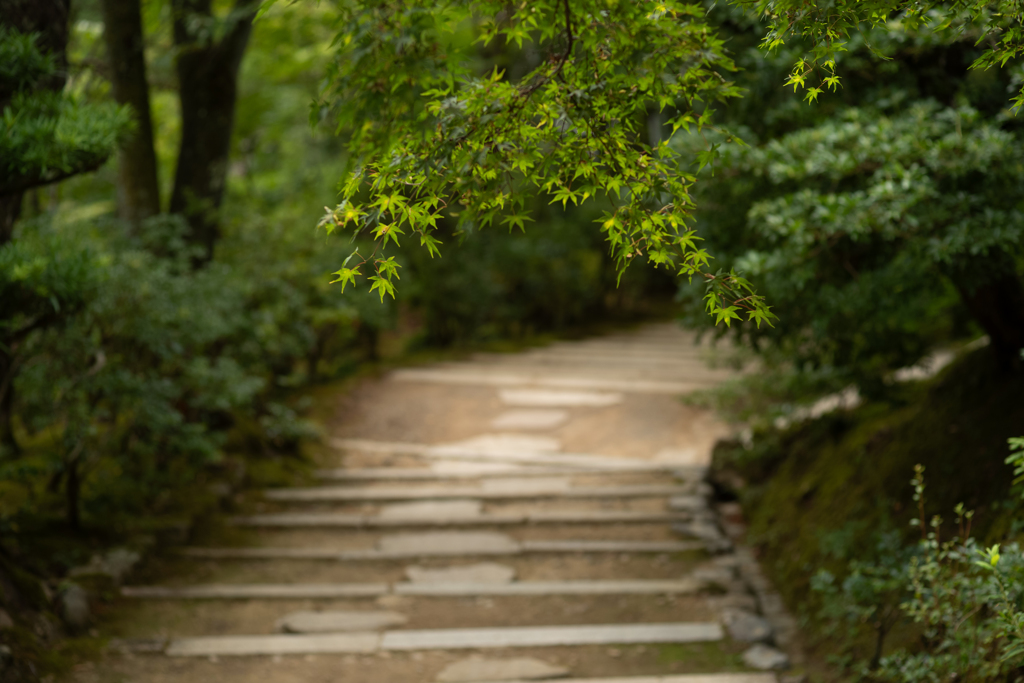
column 819, row 493
column 722, row 656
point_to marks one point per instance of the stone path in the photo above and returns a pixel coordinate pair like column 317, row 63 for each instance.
column 508, row 518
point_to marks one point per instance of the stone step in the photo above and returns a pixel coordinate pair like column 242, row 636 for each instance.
column 263, row 591
column 347, row 591
column 445, row 639
column 584, row 463
column 527, row 588
column 549, row 398
column 550, row 636
column 543, row 380
column 678, row 678
column 350, row 494
column 346, row 521
column 526, row 547
column 632, row 357
column 498, row 472
column 580, row 368
column 305, row 644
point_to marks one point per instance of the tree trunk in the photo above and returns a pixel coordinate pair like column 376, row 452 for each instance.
column 208, row 83
column 994, row 295
column 10, row 209
column 138, row 190
column 72, row 489
column 7, row 439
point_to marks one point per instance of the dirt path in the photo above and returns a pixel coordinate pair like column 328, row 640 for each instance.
column 513, row 517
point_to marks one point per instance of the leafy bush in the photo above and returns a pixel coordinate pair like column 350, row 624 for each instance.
column 963, row 604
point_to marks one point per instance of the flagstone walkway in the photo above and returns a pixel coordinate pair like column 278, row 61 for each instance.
column 508, row 518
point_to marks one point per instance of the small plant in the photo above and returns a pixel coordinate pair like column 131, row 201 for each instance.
column 963, row 601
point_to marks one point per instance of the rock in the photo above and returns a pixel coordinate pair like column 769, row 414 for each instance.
column 704, row 530
column 74, row 604
column 518, row 669
column 765, row 658
column 733, row 600
column 687, row 503
column 338, row 621
column 484, row 572
column 717, row 576
column 746, row 627
column 6, row 622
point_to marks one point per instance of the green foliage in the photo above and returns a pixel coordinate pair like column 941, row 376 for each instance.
column 496, row 285
column 963, row 602
column 134, row 375
column 47, row 135
column 829, row 497
column 1016, row 459
column 22, row 63
column 436, row 135
column 867, row 599
column 826, row 31
column 862, row 229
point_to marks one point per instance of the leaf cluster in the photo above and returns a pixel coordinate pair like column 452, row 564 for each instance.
column 826, row 30
column 47, row 135
column 435, row 137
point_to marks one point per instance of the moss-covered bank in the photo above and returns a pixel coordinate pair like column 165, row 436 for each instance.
column 817, row 494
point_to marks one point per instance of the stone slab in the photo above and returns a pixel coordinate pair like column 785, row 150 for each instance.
column 441, row 470
column 541, row 379
column 601, row 517
column 521, row 489
column 447, row 543
column 431, row 582
column 260, row 553
column 339, row 621
column 432, row 509
column 679, row 678
column 547, row 398
column 548, row 636
column 476, row 669
column 466, row 451
column 527, row 588
column 501, row 442
column 571, row 546
column 530, row 419
column 524, row 486
column 482, row 573
column 334, row 520
column 257, row 591
column 227, row 646
column 478, row 469
column 443, row 544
